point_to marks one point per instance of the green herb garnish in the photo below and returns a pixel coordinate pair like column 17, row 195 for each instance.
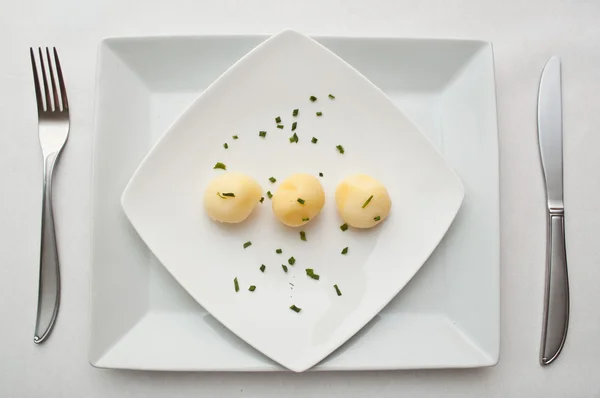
column 344, row 227
column 269, row 194
column 337, row 290
column 294, row 126
column 295, row 113
column 280, row 126
column 294, row 138
column 301, row 201
column 278, row 251
column 377, row 218
column 367, row 201
column 311, row 273
column 313, row 98
column 225, row 146
column 345, row 250
column 220, row 165
column 319, row 113
column 331, row 96
column 303, row 235
column 235, row 137
column 247, row 244
column 272, row 179
column 320, row 174
column 314, row 140
column 277, row 119
column 228, row 194
column 340, row 149
column 284, row 267
column 291, row 261
column 295, row 309
column 262, row 199
column 252, row 288
column 304, row 219
column 262, row 134
column 236, row 285
column 262, row 268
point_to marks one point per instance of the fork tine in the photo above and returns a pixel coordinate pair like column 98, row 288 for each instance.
column 61, row 81
column 51, row 72
column 45, row 79
column 36, row 82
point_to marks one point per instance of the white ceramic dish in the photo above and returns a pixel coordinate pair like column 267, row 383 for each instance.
column 163, row 200
column 446, row 317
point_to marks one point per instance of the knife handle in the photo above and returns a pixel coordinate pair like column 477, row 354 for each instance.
column 556, row 299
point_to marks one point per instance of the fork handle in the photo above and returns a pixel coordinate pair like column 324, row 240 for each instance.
column 49, row 283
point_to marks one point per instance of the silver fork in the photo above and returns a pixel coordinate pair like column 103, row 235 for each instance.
column 53, row 128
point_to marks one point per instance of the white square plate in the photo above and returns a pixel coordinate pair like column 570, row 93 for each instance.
column 163, row 200
column 446, row 317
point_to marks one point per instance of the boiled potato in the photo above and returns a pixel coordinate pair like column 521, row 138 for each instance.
column 231, row 197
column 292, row 191
column 352, row 195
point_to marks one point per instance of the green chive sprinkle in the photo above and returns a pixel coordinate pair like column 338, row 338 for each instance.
column 331, row 96
column 247, row 244
column 344, row 227
column 228, row 194
column 304, row 219
column 225, row 146
column 337, row 290
column 301, row 201
column 345, row 250
column 295, row 113
column 294, row 126
column 278, row 251
column 284, row 267
column 277, row 119
column 294, row 138
column 340, row 149
column 235, row 137
column 280, row 126
column 262, row 268
column 319, row 113
column 272, row 179
column 236, row 285
column 311, row 273
column 303, row 235
column 295, row 309
column 377, row 218
column 291, row 261
column 320, row 174
column 220, row 165
column 262, row 134
column 314, row 140
column 262, row 199
column 367, row 202
column 313, row 98
column 252, row 288
column 269, row 194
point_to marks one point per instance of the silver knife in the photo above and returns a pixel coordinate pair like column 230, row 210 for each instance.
column 556, row 298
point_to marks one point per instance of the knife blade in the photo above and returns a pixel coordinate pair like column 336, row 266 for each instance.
column 550, row 136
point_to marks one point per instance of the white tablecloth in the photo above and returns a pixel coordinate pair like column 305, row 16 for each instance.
column 524, row 34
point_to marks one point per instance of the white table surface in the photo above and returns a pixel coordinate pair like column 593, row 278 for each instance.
column 524, row 33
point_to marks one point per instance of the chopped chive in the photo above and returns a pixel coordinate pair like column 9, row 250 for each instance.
column 312, row 98
column 331, row 96
column 301, row 201
column 305, row 219
column 272, row 179
column 320, row 174
column 367, row 201
column 295, row 113
column 269, row 194
column 277, row 119
column 294, row 126
column 344, row 227
column 262, row 134
column 340, row 149
column 314, row 140
column 377, row 218
column 319, row 113
column 229, row 194
column 291, row 261
column 262, row 268
column 247, row 244
column 303, row 235
column 278, row 251
column 262, row 199
column 284, row 267
column 220, row 165
column 345, row 250
column 225, row 146
column 337, row 290
column 235, row 137
column 309, row 271
column 252, row 288
column 280, row 126
column 236, row 285
column 294, row 138
column 295, row 309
